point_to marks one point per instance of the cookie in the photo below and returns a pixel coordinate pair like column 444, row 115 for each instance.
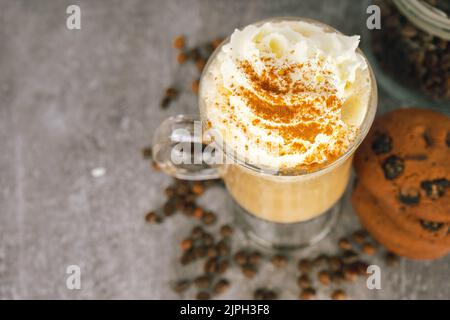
column 404, row 160
column 386, row 232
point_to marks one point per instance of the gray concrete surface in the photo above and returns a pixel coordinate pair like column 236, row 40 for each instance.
column 71, row 101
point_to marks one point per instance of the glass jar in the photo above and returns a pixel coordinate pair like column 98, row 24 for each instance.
column 411, row 51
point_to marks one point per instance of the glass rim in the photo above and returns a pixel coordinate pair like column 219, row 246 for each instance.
column 425, row 16
column 364, row 127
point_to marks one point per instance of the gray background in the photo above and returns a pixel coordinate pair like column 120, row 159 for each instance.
column 71, row 101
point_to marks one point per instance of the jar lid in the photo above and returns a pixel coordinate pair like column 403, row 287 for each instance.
column 426, row 17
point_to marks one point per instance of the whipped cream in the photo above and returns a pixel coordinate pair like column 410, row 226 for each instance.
column 287, row 94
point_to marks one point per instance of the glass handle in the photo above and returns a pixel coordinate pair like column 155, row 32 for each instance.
column 178, row 149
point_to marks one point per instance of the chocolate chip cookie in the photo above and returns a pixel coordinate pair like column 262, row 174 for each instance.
column 405, row 162
column 389, row 234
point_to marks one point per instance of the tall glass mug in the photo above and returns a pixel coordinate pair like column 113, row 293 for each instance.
column 276, row 209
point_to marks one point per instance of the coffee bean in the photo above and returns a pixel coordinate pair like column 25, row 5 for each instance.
column 182, row 57
column 202, row 295
column 195, row 86
column 223, row 248
column 264, row 294
column 303, row 281
column 169, row 208
column 382, row 143
column 324, row 277
column 359, row 236
column 152, row 217
column 211, row 252
column 187, row 257
column 350, row 273
column 209, row 218
column 223, row 266
column 181, row 285
column 211, row 266
column 308, row 294
column 221, row 286
column 254, row 257
column 200, row 252
column 279, row 260
column 198, row 213
column 369, row 249
column 391, row 259
column 335, row 263
column 147, row 153
column 431, row 226
column 393, row 167
column 186, row 244
column 165, row 102
column 207, row 239
column 344, row 244
column 197, row 232
column 240, row 257
column 338, row 295
column 198, row 188
column 349, row 256
column 337, row 277
column 320, row 260
column 304, row 265
column 249, row 270
column 226, row 230
column 179, row 42
column 202, row 282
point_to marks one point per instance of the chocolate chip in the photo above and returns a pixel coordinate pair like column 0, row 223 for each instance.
column 393, row 167
column 431, row 225
column 427, row 137
column 409, row 196
column 435, row 188
column 382, row 143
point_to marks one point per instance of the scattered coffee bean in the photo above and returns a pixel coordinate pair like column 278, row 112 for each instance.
column 197, row 232
column 350, row 273
column 338, row 295
column 202, row 295
column 181, row 285
column 152, row 217
column 264, row 294
column 179, row 42
column 223, row 248
column 240, row 257
column 211, row 266
column 349, row 256
column 249, row 270
column 202, row 282
column 195, row 86
column 308, row 294
column 198, row 188
column 223, row 266
column 320, row 260
column 211, row 252
column 335, row 263
column 279, row 260
column 359, row 236
column 324, row 277
column 187, row 257
column 200, row 64
column 169, row 208
column 391, row 259
column 200, row 252
column 209, row 218
column 221, row 286
column 254, row 257
column 337, row 277
column 186, row 244
column 304, row 265
column 344, row 244
column 226, row 230
column 304, row 281
column 368, row 249
column 198, row 213
column 147, row 153
column 207, row 239
column 181, row 58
